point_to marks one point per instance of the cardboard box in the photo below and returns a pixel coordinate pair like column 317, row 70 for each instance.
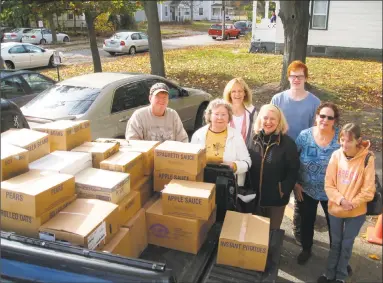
column 163, row 177
column 132, row 238
column 35, row 192
column 173, row 155
column 144, row 184
column 126, row 162
column 244, row 241
column 145, row 147
column 102, row 184
column 174, row 232
column 144, row 188
column 35, row 142
column 89, row 223
column 188, row 199
column 129, row 206
column 28, row 226
column 99, row 151
column 66, row 162
column 66, row 134
column 14, row 161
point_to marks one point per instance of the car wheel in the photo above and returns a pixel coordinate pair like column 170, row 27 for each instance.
column 66, row 39
column 237, row 36
column 213, row 37
column 43, row 41
column 199, row 119
column 132, row 50
column 112, row 53
column 227, row 37
column 9, row 65
column 51, row 62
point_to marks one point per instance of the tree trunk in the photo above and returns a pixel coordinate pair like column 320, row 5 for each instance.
column 155, row 41
column 74, row 22
column 53, row 27
column 295, row 17
column 223, row 20
column 191, row 11
column 89, row 18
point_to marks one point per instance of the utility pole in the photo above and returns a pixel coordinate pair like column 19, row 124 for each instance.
column 223, row 19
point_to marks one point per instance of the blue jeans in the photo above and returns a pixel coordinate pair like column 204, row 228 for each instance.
column 343, row 233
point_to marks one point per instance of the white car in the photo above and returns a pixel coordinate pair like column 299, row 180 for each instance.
column 126, row 42
column 108, row 100
column 18, row 55
column 43, row 36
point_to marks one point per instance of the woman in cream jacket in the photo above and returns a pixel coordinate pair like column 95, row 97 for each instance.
column 224, row 145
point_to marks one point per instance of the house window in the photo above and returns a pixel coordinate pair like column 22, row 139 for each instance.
column 319, row 14
column 201, row 11
column 70, row 16
column 166, row 11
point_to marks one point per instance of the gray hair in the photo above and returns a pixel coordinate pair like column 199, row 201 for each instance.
column 215, row 104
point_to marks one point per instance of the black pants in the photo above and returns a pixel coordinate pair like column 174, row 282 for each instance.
column 308, row 211
column 297, row 219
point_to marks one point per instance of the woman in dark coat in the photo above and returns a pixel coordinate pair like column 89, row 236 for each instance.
column 275, row 164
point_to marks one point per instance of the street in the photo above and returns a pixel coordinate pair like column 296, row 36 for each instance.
column 82, row 54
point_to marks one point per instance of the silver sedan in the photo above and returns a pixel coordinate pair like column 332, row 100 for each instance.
column 126, row 42
column 109, row 99
column 15, row 35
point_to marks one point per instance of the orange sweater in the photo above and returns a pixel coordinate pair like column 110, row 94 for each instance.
column 349, row 179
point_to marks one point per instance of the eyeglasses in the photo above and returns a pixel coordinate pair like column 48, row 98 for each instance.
column 300, row 77
column 330, row 118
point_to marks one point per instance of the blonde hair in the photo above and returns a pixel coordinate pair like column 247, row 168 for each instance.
column 247, row 100
column 282, row 125
column 215, row 104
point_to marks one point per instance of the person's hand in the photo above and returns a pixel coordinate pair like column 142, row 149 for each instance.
column 230, row 164
column 346, row 205
column 298, row 191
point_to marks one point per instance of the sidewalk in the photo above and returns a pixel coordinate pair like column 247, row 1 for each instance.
column 364, row 268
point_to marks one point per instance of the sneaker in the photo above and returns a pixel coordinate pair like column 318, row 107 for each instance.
column 323, row 279
column 304, row 256
column 349, row 270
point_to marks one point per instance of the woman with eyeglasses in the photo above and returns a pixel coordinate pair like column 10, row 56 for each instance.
column 315, row 146
column 275, row 164
column 224, row 145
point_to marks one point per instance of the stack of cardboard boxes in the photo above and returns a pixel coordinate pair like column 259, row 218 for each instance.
column 112, row 183
column 178, row 161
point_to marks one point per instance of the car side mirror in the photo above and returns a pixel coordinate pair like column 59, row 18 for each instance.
column 184, row 92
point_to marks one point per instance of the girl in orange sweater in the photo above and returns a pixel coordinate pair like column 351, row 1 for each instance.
column 349, row 185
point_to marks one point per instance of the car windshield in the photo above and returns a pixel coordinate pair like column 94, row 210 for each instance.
column 61, row 101
column 36, row 31
column 15, row 30
column 119, row 35
column 216, row 27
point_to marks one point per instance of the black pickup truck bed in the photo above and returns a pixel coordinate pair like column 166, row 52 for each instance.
column 203, row 268
column 34, row 260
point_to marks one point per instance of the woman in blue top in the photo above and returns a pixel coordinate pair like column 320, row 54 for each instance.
column 315, row 146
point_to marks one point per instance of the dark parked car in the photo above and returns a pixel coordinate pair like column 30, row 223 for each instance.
column 11, row 116
column 22, row 86
column 244, row 26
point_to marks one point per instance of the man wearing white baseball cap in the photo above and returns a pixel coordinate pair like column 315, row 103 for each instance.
column 156, row 122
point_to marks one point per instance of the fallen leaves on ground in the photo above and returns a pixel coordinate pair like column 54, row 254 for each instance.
column 374, row 257
column 354, row 85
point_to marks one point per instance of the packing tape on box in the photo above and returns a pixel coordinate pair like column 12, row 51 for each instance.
column 242, row 231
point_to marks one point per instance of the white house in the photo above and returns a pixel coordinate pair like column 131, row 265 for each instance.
column 337, row 28
column 179, row 11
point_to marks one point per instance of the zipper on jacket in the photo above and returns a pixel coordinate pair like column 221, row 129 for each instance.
column 261, row 173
